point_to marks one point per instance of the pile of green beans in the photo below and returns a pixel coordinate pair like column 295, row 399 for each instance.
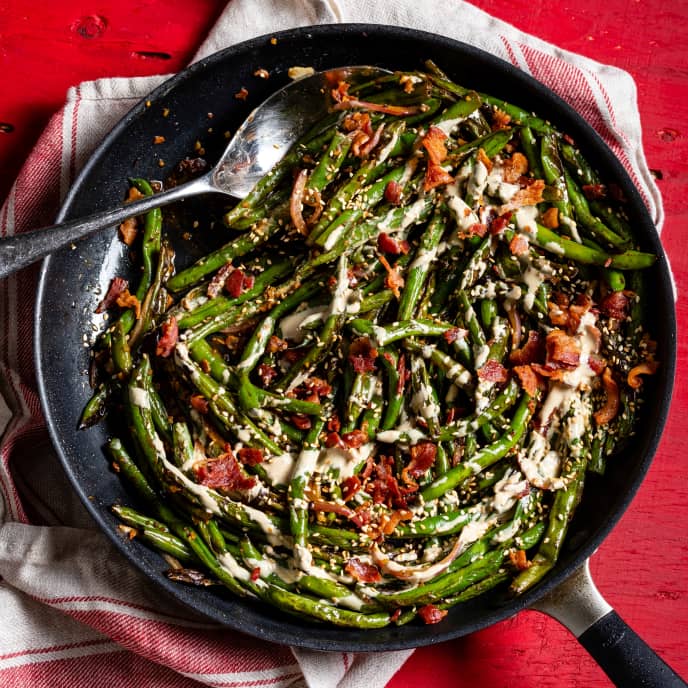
column 382, row 396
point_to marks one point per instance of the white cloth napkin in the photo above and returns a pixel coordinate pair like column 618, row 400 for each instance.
column 72, row 608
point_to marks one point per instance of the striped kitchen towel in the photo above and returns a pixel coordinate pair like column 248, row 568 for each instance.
column 73, row 611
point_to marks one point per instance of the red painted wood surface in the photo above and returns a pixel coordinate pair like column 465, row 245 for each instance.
column 642, row 567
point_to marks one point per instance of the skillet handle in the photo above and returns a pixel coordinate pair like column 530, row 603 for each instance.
column 621, row 653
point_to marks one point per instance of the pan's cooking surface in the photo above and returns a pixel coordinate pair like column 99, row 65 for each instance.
column 202, row 107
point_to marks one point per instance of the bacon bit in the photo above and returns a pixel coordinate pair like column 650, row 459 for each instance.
column 393, row 280
column 493, row 371
column 616, row 304
column 569, row 139
column 514, row 168
column 533, row 351
column 128, row 231
column 242, row 94
column 362, row 571
column 434, row 144
column 394, row 110
column 262, row 73
column 406, row 80
column 250, row 456
column 223, row 473
column 301, row 421
column 423, row 457
column 362, row 517
column 255, row 574
column 362, row 355
column 550, row 218
column 350, row 487
column 117, row 286
column 358, row 120
column 500, row 120
column 133, row 195
column 367, row 147
column 199, row 403
column 318, row 386
column 205, row 365
column 634, row 378
column 519, row 560
column 384, row 488
column 296, row 202
column 276, row 344
column 563, row 351
column 387, row 244
column 499, row 223
column 218, row 281
column 334, row 424
column 519, row 245
column 293, row 355
column 395, row 615
column 266, row 373
column 435, row 176
column 389, row 523
column 453, row 335
column 594, row 192
column 393, row 192
column 531, row 195
column 238, row 282
column 355, row 438
column 158, row 140
column 403, row 374
column 332, row 439
column 431, row 614
column 613, row 401
column 596, row 363
column 130, row 532
column 341, row 93
column 530, row 381
column 127, row 300
column 482, row 157
column 478, row 229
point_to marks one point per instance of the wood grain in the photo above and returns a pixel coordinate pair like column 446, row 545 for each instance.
column 641, row 568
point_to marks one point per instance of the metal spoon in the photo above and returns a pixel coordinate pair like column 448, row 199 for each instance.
column 261, row 141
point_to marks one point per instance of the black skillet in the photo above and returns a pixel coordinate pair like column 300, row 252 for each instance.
column 202, row 107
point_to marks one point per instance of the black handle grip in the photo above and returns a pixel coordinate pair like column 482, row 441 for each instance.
column 625, row 657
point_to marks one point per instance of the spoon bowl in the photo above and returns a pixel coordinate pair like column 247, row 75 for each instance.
column 261, row 142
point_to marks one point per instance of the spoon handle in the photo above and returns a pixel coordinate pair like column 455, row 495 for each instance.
column 21, row 250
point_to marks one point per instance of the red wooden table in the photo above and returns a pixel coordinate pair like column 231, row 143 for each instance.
column 642, row 567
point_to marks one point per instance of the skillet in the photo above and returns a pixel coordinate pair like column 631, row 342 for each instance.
column 201, row 107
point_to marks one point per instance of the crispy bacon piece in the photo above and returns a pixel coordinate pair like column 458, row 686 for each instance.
column 238, row 282
column 563, row 351
column 332, row 439
column 350, row 487
column 128, row 231
column 387, row 244
column 199, row 403
column 266, row 373
column 453, row 335
column 514, row 168
column 500, row 120
column 296, row 202
column 434, row 144
column 217, row 283
column 395, row 615
column 393, row 192
column 255, row 574
column 318, row 387
column 478, row 229
column 594, row 192
column 117, row 286
column 596, row 363
column 358, row 121
column 550, row 218
column 223, row 473
column 634, row 378
column 389, row 523
column 168, row 338
column 499, row 223
column 362, row 571
column 341, row 92
column 127, row 300
column 431, row 614
column 529, row 379
column 436, row 175
column 301, row 421
column 384, row 487
column 403, row 373
column 276, row 344
column 617, row 304
column 493, row 371
column 385, row 109
column 423, row 457
column 393, row 280
column 242, row 94
column 362, row 355
column 519, row 560
column 250, row 456
column 530, row 195
column 580, row 306
column 355, row 438
column 519, row 245
column 612, row 402
column 333, row 423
